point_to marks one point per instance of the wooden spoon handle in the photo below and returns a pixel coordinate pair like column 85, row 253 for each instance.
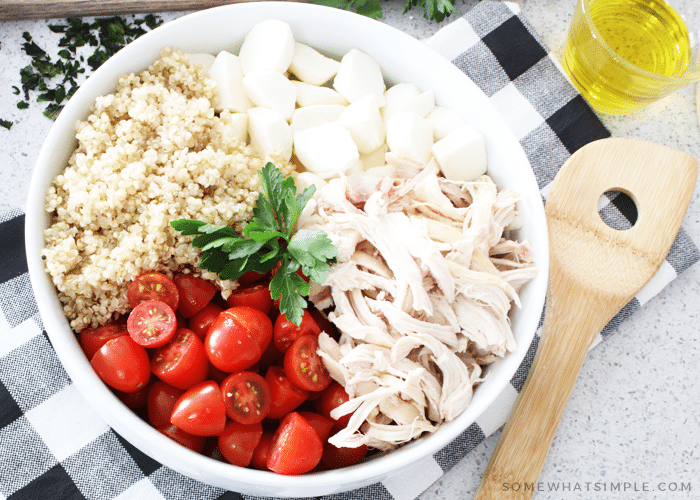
column 594, row 271
column 12, row 10
column 517, row 461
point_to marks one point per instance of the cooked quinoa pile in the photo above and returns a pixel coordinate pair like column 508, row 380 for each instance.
column 152, row 152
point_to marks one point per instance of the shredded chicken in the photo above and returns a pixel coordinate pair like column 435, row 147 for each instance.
column 426, row 275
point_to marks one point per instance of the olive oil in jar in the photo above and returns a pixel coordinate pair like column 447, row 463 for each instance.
column 647, row 34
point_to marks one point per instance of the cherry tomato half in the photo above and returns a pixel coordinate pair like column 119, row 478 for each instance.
column 137, row 399
column 246, row 397
column 194, row 443
column 284, row 395
column 323, row 425
column 271, row 356
column 200, row 321
column 304, row 366
column 211, row 449
column 250, row 277
column 237, row 338
column 332, row 398
column 262, row 451
column 122, row 364
column 91, row 339
column 152, row 323
column 296, row 447
column 286, row 332
column 238, row 442
column 324, row 323
column 161, row 401
column 256, row 296
column 182, row 362
column 195, row 293
column 336, row 458
column 153, row 285
column 200, row 411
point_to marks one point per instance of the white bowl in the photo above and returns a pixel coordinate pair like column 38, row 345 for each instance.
column 333, row 31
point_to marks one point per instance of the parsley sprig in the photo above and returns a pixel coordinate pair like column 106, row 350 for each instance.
column 268, row 240
column 433, row 10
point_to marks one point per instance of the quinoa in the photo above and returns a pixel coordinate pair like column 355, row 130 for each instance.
column 152, row 152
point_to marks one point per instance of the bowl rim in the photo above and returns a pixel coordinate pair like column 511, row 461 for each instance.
column 140, row 433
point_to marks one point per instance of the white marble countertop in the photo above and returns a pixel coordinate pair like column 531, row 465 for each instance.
column 633, row 420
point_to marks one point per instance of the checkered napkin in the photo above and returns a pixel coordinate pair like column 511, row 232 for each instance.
column 54, row 446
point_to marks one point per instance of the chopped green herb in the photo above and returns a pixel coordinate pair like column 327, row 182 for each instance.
column 57, row 80
column 5, row 123
column 22, row 105
column 268, row 240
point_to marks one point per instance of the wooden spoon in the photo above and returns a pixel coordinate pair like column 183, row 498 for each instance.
column 594, row 271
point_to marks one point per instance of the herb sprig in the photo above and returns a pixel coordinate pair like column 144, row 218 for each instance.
column 433, row 10
column 268, row 240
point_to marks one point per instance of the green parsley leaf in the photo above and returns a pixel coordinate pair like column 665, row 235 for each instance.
column 312, row 249
column 433, row 10
column 436, row 10
column 187, row 227
column 268, row 240
column 6, row 124
column 369, row 8
column 290, row 288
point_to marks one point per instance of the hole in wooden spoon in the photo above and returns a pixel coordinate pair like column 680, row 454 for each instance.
column 617, row 210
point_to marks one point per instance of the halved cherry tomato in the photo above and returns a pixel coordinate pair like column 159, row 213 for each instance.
column 238, row 441
column 304, row 366
column 195, row 293
column 336, row 458
column 122, row 364
column 153, row 285
column 237, row 338
column 182, row 362
column 332, row 398
column 323, row 322
column 256, row 296
column 136, row 399
column 271, row 356
column 152, row 323
column 161, row 401
column 211, row 449
column 246, row 397
column 262, row 451
column 286, row 332
column 91, row 339
column 296, row 447
column 216, row 375
column 201, row 321
column 323, row 425
column 250, row 277
column 314, row 395
column 200, row 410
column 284, row 396
column 194, row 443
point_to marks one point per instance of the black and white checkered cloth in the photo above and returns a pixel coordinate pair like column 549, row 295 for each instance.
column 54, row 446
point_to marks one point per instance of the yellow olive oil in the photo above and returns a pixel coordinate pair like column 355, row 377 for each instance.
column 647, row 34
